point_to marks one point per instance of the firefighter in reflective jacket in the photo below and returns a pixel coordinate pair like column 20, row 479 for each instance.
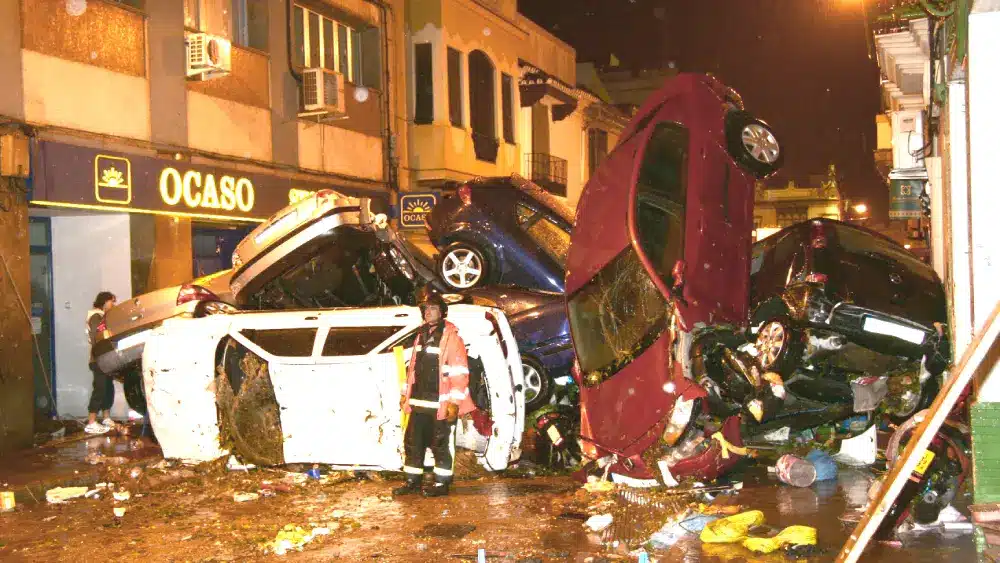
column 436, row 393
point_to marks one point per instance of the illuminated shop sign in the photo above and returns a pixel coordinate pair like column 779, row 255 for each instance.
column 81, row 177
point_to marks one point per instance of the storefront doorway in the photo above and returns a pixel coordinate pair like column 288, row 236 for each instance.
column 213, row 245
column 40, row 233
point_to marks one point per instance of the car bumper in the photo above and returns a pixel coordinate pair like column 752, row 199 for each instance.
column 114, row 355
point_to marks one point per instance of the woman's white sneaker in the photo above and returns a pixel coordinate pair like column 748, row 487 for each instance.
column 96, row 428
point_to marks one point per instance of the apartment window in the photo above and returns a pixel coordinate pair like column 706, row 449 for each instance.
column 455, row 87
column 423, row 111
column 325, row 42
column 482, row 106
column 244, row 22
column 597, row 148
column 507, row 103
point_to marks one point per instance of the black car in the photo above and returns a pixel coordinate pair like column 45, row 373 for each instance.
column 827, row 296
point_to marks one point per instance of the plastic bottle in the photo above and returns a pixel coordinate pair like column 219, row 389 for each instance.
column 795, row 471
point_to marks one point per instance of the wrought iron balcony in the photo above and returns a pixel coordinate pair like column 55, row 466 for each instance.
column 548, row 172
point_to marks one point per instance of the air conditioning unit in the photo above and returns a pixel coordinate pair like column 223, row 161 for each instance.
column 323, row 93
column 208, row 56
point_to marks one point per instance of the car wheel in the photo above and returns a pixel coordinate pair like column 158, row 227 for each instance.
column 928, row 392
column 135, row 394
column 778, row 346
column 753, row 144
column 463, row 266
column 537, row 384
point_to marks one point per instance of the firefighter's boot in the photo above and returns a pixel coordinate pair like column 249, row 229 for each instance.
column 412, row 486
column 438, row 489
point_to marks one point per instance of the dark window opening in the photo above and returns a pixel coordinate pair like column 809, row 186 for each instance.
column 597, row 149
column 356, row 341
column 615, row 317
column 482, row 106
column 507, row 92
column 455, row 87
column 287, row 342
column 660, row 198
column 423, row 112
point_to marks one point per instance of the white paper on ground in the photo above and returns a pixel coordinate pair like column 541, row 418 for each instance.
column 860, row 450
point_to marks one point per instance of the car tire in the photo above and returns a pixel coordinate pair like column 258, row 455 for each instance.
column 928, row 392
column 753, row 144
column 779, row 346
column 450, row 264
column 537, row 384
column 135, row 393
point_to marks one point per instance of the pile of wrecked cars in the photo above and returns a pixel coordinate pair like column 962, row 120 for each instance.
column 692, row 340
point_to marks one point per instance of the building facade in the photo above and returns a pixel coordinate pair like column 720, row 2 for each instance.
column 494, row 94
column 778, row 207
column 140, row 140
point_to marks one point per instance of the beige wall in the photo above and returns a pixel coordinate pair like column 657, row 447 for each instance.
column 225, row 127
column 11, row 94
column 331, row 149
column 568, row 140
column 98, row 100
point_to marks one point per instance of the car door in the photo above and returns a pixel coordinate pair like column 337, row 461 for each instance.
column 336, row 385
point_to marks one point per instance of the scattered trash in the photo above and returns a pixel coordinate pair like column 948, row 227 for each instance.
column 826, row 468
column 122, row 496
column 314, row 472
column 795, row 471
column 234, row 465
column 7, row 501
column 599, row 522
column 119, row 511
column 48, row 518
column 62, row 494
column 58, row 433
column 859, row 451
column 245, row 497
column 667, row 536
column 481, row 556
column 293, row 537
column 598, row 486
column 697, row 523
column 135, row 472
column 737, row 529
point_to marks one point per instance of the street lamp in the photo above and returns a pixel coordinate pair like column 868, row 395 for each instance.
column 861, row 209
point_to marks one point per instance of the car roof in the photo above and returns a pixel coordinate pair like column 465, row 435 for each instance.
column 517, row 183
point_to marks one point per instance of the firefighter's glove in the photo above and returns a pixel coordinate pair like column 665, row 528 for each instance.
column 452, row 413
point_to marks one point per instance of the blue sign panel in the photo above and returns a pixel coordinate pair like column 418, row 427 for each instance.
column 414, row 207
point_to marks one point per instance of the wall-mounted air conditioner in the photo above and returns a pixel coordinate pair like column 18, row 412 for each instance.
column 208, row 56
column 323, row 93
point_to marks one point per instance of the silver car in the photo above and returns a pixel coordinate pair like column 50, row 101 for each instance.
column 127, row 325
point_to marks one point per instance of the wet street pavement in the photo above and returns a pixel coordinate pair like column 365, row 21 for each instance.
column 189, row 514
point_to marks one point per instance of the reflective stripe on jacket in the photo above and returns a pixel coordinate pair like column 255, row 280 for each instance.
column 453, row 374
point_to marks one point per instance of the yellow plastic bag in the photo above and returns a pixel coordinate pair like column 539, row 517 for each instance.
column 404, row 417
column 732, row 529
column 792, row 535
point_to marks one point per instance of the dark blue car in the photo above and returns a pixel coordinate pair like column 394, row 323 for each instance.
column 503, row 230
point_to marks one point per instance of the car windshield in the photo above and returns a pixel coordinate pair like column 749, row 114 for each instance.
column 335, row 271
column 855, row 241
column 660, row 198
column 615, row 317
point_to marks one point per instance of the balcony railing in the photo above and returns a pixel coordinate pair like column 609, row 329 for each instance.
column 548, row 172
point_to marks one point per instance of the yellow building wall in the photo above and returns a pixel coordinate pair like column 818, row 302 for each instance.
column 332, row 149
column 226, row 127
column 70, row 94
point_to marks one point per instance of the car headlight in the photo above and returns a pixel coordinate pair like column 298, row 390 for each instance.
column 680, row 419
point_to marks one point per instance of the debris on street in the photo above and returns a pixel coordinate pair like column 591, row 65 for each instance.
column 62, row 494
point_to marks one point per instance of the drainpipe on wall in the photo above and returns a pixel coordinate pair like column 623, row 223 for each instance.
column 290, row 32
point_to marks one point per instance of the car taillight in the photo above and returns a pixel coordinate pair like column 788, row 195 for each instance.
column 816, row 278
column 817, row 235
column 465, row 194
column 496, row 330
column 190, row 292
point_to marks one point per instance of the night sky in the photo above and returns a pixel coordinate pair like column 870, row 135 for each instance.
column 801, row 65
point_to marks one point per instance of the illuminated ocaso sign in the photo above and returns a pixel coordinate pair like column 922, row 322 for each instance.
column 202, row 191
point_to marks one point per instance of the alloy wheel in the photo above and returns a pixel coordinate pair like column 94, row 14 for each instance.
column 532, row 382
column 770, row 342
column 462, row 268
column 760, row 143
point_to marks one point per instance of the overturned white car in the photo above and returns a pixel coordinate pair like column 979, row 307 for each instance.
column 319, row 386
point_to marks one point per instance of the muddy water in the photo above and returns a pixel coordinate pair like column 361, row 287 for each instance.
column 537, row 519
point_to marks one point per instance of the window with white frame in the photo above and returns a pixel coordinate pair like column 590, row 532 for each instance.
column 244, row 22
column 323, row 42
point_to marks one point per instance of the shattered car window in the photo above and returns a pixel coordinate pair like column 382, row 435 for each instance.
column 287, row 342
column 356, row 340
column 551, row 238
column 660, row 202
column 615, row 317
